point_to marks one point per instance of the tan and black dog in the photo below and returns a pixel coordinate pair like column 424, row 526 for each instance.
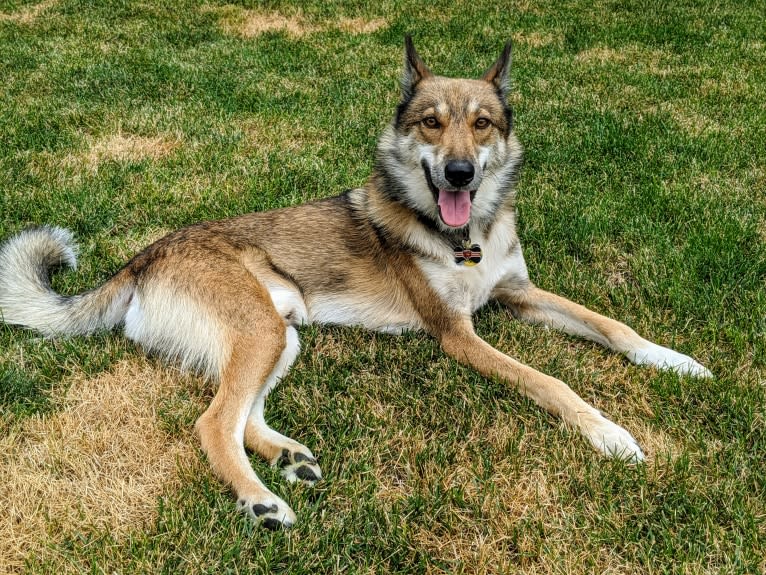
column 427, row 241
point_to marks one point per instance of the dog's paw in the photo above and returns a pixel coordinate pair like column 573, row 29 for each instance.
column 269, row 512
column 665, row 358
column 611, row 439
column 299, row 466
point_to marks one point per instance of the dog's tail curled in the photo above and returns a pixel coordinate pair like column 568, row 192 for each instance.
column 26, row 296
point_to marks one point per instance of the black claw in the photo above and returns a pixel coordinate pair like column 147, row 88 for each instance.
column 259, row 509
column 272, row 524
column 306, row 473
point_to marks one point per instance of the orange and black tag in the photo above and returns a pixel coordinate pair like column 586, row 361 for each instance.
column 468, row 254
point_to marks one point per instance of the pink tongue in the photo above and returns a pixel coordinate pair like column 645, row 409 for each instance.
column 455, row 207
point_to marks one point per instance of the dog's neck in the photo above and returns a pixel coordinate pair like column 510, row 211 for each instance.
column 398, row 226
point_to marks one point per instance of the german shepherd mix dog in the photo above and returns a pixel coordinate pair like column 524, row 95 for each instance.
column 427, row 241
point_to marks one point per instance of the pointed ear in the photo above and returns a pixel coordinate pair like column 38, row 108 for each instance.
column 497, row 74
column 414, row 69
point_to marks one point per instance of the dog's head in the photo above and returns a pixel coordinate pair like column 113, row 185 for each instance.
column 451, row 150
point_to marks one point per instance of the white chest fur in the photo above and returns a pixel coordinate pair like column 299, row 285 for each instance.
column 467, row 288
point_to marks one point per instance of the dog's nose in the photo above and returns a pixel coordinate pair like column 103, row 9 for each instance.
column 458, row 172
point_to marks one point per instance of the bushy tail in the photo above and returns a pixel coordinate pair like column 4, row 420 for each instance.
column 26, row 297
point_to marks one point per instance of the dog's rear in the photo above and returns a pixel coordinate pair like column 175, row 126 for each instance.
column 154, row 313
column 189, row 298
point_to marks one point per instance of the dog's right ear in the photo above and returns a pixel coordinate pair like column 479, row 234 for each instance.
column 497, row 75
column 414, row 69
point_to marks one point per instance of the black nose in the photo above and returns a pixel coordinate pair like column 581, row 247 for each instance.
column 459, row 172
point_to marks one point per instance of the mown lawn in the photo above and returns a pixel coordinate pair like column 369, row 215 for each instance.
column 643, row 196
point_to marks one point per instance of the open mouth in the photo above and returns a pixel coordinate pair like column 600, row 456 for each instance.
column 454, row 205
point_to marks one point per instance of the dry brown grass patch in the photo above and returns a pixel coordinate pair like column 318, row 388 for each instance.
column 252, row 23
column 360, row 25
column 29, row 14
column 601, row 55
column 256, row 23
column 99, row 461
column 731, row 85
column 129, row 148
column 658, row 445
column 692, row 123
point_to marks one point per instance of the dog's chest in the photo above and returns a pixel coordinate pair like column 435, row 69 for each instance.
column 466, row 288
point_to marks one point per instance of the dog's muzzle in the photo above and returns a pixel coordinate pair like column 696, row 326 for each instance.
column 454, row 203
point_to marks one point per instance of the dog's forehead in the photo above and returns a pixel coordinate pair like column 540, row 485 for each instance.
column 457, row 96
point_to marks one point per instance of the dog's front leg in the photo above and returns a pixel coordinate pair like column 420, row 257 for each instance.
column 461, row 342
column 534, row 305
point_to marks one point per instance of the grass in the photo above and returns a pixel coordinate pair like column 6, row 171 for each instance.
column 642, row 196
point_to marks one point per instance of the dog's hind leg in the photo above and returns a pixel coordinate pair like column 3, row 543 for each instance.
column 221, row 428
column 225, row 324
column 296, row 460
column 534, row 305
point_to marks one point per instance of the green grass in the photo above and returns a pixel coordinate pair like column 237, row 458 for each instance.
column 642, row 197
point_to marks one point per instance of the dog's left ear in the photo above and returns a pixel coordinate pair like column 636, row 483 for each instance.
column 498, row 73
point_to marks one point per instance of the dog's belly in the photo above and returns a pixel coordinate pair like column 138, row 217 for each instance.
column 379, row 314
column 376, row 311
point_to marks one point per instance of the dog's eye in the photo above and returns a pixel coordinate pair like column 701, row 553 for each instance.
column 482, row 124
column 431, row 122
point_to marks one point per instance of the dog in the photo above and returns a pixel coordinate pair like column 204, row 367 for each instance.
column 428, row 240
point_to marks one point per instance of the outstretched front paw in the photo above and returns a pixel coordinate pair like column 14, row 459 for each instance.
column 269, row 512
column 664, row 358
column 610, row 439
column 299, row 466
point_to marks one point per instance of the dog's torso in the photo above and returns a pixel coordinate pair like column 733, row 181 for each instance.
column 330, row 262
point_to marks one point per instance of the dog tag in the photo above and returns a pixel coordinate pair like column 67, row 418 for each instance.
column 468, row 254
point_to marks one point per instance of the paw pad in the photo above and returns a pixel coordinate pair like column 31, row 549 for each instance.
column 272, row 524
column 260, row 509
column 297, row 466
column 271, row 515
